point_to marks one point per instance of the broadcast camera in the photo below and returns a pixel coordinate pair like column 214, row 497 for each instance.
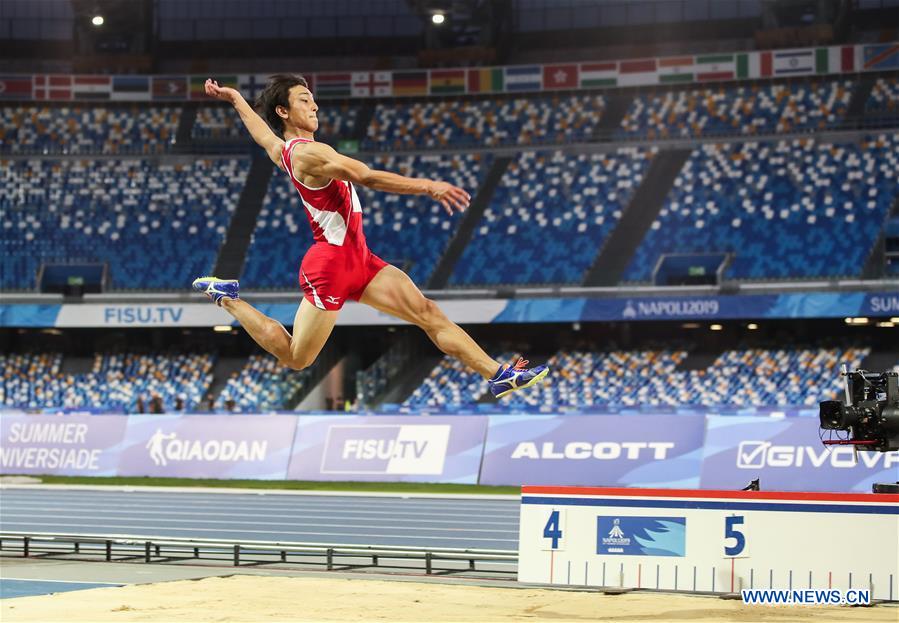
column 870, row 412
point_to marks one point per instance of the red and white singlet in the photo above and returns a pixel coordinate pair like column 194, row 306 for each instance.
column 339, row 265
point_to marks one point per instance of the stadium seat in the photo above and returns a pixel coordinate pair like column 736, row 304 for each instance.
column 484, row 123
column 112, row 129
column 737, row 110
column 549, row 217
column 777, row 207
column 154, row 225
column 884, row 98
column 221, row 123
column 262, row 385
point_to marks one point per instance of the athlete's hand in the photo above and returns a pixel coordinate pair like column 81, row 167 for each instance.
column 223, row 93
column 450, row 197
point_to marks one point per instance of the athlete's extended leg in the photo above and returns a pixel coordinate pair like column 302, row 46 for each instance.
column 311, row 325
column 392, row 292
column 311, row 328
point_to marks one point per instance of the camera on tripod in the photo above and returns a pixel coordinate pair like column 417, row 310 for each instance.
column 870, row 412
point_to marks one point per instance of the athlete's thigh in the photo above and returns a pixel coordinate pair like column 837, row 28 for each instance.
column 393, row 292
column 311, row 328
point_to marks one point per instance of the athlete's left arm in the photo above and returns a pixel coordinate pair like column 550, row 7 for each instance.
column 320, row 160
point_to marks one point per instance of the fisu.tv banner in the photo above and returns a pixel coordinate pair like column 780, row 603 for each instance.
column 601, row 450
column 479, row 311
column 787, row 455
column 384, row 448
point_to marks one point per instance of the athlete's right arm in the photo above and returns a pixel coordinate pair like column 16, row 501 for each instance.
column 257, row 127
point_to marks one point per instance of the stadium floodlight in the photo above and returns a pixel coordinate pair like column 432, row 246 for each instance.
column 97, row 20
column 716, row 327
column 222, row 328
column 752, row 326
column 438, row 18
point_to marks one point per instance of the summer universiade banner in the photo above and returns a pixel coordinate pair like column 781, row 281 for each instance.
column 480, row 311
column 389, row 448
column 698, row 69
column 603, row 450
column 70, row 445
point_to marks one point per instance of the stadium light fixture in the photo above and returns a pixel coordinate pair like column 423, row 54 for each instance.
column 716, row 327
column 222, row 328
column 886, row 324
column 752, row 326
column 857, row 321
column 97, row 20
column 894, row 320
column 690, row 325
column 438, row 18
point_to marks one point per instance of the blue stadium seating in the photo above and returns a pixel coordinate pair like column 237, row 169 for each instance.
column 409, row 231
column 113, row 129
column 156, row 225
column 218, row 123
column 737, row 110
column 115, row 383
column 549, row 217
column 262, row 385
column 484, row 123
column 777, row 207
column 884, row 97
column 578, row 379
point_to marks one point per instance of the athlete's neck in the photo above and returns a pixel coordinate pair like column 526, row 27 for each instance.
column 289, row 135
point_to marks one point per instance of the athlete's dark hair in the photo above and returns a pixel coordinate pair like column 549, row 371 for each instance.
column 275, row 94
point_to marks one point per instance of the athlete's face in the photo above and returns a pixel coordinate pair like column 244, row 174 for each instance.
column 303, row 109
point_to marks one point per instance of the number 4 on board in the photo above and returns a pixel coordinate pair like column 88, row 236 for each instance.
column 553, row 529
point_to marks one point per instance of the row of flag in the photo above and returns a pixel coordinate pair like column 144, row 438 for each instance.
column 642, row 72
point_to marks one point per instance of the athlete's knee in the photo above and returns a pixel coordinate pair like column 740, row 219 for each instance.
column 427, row 314
column 297, row 362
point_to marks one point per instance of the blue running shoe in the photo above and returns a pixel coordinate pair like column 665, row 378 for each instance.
column 217, row 289
column 511, row 378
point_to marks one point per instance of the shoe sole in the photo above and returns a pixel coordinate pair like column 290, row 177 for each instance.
column 536, row 379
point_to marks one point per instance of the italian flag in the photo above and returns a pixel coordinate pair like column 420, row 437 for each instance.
column 599, row 74
column 835, row 59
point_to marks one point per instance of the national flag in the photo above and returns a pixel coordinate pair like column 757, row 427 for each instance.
column 15, row 87
column 56, row 87
column 169, row 87
column 447, row 81
column 787, row 63
column 198, row 85
column 368, row 84
column 835, row 59
column 410, row 83
column 676, row 69
column 560, row 77
column 251, row 85
column 637, row 73
column 489, row 80
column 715, row 67
column 881, row 56
column 130, row 88
column 599, row 74
column 523, row 78
column 91, row 87
column 332, row 85
column 744, row 65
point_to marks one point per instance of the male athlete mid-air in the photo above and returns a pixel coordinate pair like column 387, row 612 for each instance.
column 339, row 265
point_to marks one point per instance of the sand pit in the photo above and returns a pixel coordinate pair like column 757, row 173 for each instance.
column 264, row 598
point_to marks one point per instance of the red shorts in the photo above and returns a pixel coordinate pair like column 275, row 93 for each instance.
column 329, row 275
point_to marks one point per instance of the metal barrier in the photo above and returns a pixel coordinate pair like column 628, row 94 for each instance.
column 119, row 547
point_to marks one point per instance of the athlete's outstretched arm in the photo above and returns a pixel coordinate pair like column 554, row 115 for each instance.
column 320, row 160
column 257, row 127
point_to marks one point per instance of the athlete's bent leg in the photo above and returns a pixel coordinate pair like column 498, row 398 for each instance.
column 392, row 292
column 311, row 328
